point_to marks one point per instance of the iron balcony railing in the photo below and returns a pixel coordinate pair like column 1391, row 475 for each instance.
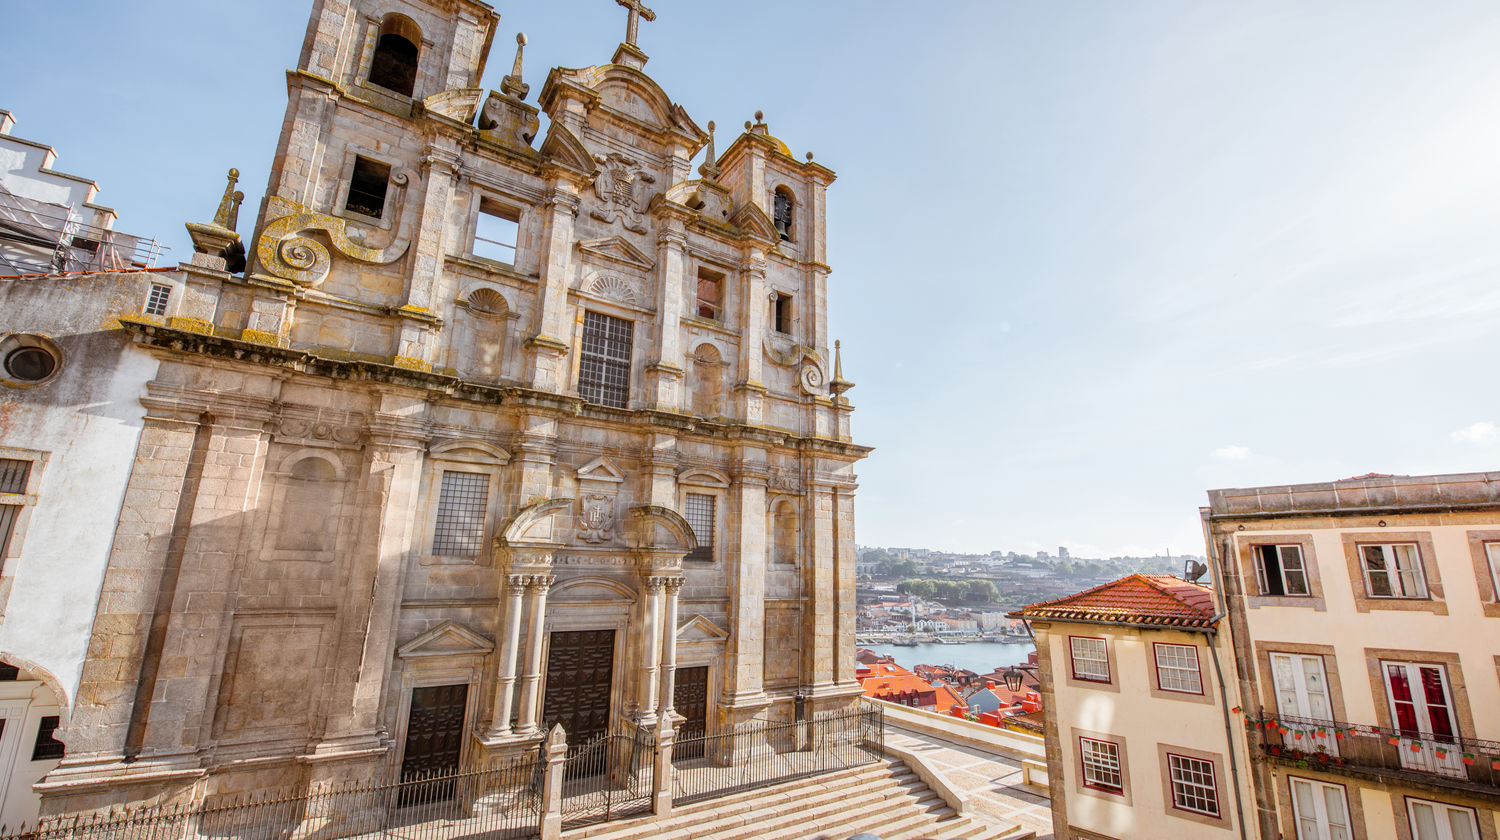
column 1468, row 763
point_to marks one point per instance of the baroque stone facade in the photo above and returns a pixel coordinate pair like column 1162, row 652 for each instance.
column 499, row 427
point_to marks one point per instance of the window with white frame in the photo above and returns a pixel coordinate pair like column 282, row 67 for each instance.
column 1090, row 659
column 1193, row 785
column 1441, row 821
column 497, row 231
column 463, row 499
column 1392, row 571
column 604, row 363
column 14, row 474
column 1101, row 765
column 1492, row 553
column 1280, row 570
column 1321, row 810
column 1177, row 669
column 698, row 510
column 157, row 298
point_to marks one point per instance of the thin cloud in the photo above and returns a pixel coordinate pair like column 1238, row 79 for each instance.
column 1481, row 432
column 1234, row 452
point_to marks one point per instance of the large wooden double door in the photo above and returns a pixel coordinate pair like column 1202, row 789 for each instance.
column 580, row 680
column 434, row 742
column 690, row 699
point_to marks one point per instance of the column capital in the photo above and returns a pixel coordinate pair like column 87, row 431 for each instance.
column 539, row 584
column 560, row 200
column 674, row 585
column 655, row 583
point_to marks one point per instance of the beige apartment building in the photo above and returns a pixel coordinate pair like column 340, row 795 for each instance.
column 1140, row 735
column 1367, row 630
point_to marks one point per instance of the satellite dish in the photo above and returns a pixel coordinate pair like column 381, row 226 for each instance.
column 1193, row 570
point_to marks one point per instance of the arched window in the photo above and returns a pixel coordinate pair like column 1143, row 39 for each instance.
column 785, row 204
column 707, row 381
column 394, row 66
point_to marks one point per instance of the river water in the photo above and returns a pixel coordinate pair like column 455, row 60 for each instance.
column 979, row 657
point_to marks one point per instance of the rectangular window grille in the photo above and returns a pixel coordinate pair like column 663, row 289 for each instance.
column 496, row 232
column 1280, row 570
column 462, row 501
column 13, row 475
column 1177, row 668
column 156, row 299
column 1090, row 662
column 1193, row 787
column 1392, row 571
column 367, row 187
column 1101, row 764
column 46, row 746
column 699, row 511
column 604, row 365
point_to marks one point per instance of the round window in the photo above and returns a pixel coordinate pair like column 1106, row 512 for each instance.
column 30, row 364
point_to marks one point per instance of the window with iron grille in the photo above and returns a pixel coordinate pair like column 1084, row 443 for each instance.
column 462, row 500
column 156, row 299
column 47, row 746
column 604, row 364
column 1193, row 785
column 699, row 509
column 1090, row 660
column 1101, row 764
column 1177, row 668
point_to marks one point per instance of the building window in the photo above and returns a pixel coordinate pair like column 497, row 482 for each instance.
column 699, row 510
column 156, row 299
column 1392, row 571
column 1492, row 553
column 710, row 295
column 14, row 474
column 1279, row 569
column 781, row 313
column 394, row 65
column 1101, row 765
column 1090, row 660
column 1321, row 810
column 783, row 214
column 496, row 232
column 367, row 187
column 28, row 359
column 1193, row 785
column 462, row 502
column 47, row 747
column 1440, row 821
column 604, row 365
column 1177, row 669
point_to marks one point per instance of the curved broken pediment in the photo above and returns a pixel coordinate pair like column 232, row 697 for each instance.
column 754, row 221
column 566, row 149
column 533, row 524
column 660, row 528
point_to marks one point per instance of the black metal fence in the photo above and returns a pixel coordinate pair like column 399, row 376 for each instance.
column 500, row 802
column 1330, row 744
column 717, row 764
column 608, row 778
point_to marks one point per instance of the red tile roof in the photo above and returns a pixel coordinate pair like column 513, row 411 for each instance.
column 1156, row 600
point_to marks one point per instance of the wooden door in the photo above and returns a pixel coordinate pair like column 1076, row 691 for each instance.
column 1302, row 691
column 690, row 699
column 580, row 679
column 434, row 740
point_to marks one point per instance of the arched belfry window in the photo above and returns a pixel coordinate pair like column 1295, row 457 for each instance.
column 394, row 66
column 783, row 213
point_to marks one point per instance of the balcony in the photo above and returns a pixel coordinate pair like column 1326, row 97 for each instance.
column 1456, row 762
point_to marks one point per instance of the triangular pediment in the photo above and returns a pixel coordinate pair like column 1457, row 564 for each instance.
column 447, row 639
column 617, row 249
column 601, row 469
column 755, row 222
column 700, row 629
column 566, row 149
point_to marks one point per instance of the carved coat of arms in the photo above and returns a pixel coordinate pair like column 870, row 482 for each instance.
column 596, row 518
column 620, row 192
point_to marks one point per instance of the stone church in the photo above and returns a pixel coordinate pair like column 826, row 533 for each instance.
column 488, row 427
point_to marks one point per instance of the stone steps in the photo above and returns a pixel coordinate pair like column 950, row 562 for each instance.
column 885, row 799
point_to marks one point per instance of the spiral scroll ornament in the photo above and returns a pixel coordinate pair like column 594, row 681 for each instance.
column 307, row 259
column 811, row 379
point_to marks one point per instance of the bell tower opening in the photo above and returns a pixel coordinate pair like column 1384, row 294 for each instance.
column 394, row 66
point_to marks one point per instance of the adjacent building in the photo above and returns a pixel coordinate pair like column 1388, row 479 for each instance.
column 1366, row 626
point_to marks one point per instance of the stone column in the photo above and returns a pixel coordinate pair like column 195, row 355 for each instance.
column 505, row 680
column 651, row 651
column 669, row 648
column 528, row 722
column 744, row 683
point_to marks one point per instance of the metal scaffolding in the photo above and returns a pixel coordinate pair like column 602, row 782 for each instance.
column 41, row 238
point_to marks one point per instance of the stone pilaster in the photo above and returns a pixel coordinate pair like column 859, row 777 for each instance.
column 673, row 587
column 665, row 374
column 547, row 349
column 744, row 686
column 750, row 391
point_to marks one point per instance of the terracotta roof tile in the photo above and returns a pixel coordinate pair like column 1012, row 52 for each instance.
column 1158, row 600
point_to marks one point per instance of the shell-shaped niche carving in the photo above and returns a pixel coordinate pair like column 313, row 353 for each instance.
column 613, row 287
column 487, row 301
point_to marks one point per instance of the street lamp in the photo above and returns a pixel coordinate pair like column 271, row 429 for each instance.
column 1015, row 675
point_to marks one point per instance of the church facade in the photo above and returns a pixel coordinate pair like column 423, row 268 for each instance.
column 498, row 429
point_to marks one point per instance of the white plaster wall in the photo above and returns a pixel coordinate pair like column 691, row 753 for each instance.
column 19, row 163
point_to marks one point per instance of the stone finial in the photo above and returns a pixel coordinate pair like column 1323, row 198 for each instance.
column 710, row 167
column 839, row 384
column 809, row 157
column 229, row 206
column 760, row 117
column 556, row 737
column 512, row 85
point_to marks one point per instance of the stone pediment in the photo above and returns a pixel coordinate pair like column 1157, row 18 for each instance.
column 562, row 147
column 755, row 222
column 601, row 469
column 617, row 249
column 700, row 629
column 447, row 639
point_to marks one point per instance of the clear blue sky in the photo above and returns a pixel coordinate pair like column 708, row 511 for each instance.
column 1091, row 259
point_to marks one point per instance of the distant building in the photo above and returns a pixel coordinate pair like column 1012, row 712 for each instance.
column 1062, row 552
column 890, row 682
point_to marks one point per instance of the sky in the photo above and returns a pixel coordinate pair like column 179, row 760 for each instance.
column 1090, row 259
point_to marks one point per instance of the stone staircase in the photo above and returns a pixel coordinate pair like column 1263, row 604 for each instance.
column 885, row 799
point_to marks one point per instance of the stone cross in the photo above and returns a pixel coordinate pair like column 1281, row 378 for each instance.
column 638, row 10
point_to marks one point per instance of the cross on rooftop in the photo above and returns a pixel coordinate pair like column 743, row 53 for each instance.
column 638, row 10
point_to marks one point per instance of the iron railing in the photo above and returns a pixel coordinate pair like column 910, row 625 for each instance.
column 608, row 778
column 501, row 802
column 1458, row 761
column 717, row 764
